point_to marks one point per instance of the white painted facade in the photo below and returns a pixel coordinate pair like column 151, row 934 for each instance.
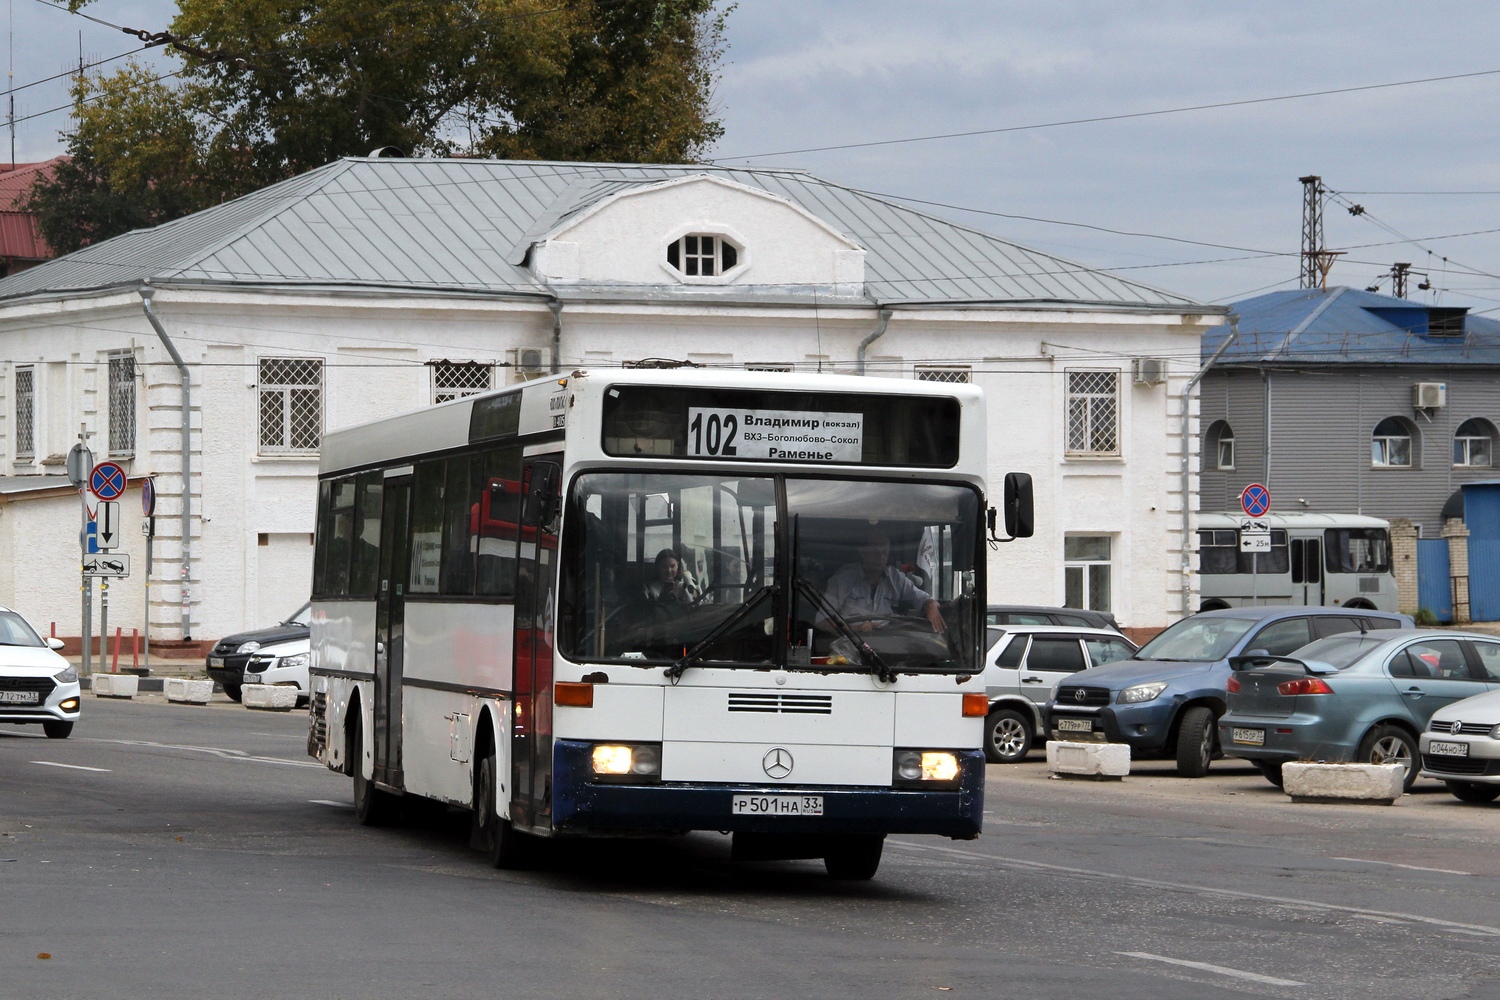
column 253, row 511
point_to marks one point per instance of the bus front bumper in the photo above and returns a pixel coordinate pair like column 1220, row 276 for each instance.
column 581, row 806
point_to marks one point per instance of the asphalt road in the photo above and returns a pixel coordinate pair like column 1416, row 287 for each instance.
column 195, row 852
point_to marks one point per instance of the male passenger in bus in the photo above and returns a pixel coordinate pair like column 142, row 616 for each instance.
column 873, row 587
column 672, row 582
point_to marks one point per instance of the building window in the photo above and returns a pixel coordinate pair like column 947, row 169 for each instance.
column 1221, row 444
column 122, row 404
column 1086, row 572
column 25, row 412
column 1390, row 445
column 291, row 405
column 457, row 379
column 1093, row 413
column 1473, row 444
column 948, row 373
column 702, row 256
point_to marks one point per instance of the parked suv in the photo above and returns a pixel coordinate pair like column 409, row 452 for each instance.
column 267, row 652
column 1031, row 614
column 1166, row 700
column 1021, row 667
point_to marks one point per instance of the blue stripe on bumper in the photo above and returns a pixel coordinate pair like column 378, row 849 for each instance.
column 580, row 806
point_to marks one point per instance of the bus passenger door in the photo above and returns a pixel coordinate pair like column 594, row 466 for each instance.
column 531, row 732
column 390, row 618
column 1307, row 571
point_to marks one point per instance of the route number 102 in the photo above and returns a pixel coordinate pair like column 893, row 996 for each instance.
column 714, row 436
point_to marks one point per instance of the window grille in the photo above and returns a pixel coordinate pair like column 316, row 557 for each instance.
column 947, row 374
column 770, row 368
column 1093, row 413
column 702, row 256
column 291, row 405
column 122, row 404
column 457, row 379
column 25, row 412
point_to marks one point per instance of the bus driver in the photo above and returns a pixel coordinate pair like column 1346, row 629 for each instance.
column 872, row 587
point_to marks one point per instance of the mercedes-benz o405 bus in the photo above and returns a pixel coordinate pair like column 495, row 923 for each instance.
column 1328, row 559
column 654, row 601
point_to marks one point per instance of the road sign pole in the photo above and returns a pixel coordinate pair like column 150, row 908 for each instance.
column 88, row 586
column 103, row 621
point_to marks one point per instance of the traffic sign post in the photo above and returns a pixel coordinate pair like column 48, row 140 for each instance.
column 107, row 481
column 1255, row 535
column 107, row 525
column 80, row 471
column 148, row 527
column 107, row 564
column 1255, row 500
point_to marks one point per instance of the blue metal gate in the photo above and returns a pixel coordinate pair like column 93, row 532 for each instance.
column 1434, row 592
column 1484, row 579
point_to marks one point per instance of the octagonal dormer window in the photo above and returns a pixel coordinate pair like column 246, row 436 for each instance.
column 702, row 255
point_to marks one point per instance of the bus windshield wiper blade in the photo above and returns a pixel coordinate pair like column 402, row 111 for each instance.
column 820, row 602
column 739, row 614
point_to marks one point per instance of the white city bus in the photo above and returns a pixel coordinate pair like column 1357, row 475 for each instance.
column 629, row 602
column 1327, row 559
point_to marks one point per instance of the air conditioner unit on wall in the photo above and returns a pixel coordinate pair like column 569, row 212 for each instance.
column 532, row 360
column 1429, row 395
column 1150, row 371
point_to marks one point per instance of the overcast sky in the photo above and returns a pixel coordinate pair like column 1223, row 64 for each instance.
column 805, row 73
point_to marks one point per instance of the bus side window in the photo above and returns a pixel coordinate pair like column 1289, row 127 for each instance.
column 495, row 518
column 341, row 538
column 364, row 557
column 427, row 527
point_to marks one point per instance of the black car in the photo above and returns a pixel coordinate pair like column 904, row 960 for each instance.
column 226, row 661
column 1026, row 614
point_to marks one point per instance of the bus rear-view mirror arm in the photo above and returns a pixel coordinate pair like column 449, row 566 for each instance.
column 542, row 496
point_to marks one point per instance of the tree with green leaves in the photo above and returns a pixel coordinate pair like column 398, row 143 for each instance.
column 272, row 88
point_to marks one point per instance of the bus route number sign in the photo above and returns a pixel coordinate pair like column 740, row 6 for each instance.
column 775, row 435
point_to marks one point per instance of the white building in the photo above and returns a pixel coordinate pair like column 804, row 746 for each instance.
column 372, row 286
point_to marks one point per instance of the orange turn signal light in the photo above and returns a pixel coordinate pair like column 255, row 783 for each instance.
column 976, row 705
column 573, row 694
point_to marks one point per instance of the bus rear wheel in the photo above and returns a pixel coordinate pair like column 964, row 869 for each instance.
column 491, row 834
column 855, row 857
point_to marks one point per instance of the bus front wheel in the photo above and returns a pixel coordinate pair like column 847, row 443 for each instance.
column 372, row 807
column 855, row 857
column 493, row 835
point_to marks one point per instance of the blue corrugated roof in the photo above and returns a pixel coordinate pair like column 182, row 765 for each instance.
column 1314, row 325
column 455, row 226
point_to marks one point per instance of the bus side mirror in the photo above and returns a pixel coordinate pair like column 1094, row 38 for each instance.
column 1020, row 518
column 542, row 496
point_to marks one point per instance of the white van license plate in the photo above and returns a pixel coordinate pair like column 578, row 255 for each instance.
column 18, row 698
column 1075, row 725
column 216, row 661
column 1448, row 749
column 1250, row 737
column 777, row 805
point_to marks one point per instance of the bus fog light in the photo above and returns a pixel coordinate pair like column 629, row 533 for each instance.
column 612, row 759
column 939, row 767
column 645, row 761
column 908, row 765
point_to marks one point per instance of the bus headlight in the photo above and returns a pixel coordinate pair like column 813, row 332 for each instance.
column 626, row 762
column 925, row 767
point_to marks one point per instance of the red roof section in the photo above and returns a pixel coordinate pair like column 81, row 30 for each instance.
column 19, row 237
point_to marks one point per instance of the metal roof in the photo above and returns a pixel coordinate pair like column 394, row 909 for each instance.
column 455, row 225
column 1347, row 325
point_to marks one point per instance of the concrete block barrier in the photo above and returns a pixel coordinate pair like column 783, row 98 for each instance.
column 191, row 692
column 115, row 685
column 1103, row 761
column 269, row 697
column 1379, row 784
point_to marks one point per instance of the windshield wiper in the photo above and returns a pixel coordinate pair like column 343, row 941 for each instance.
column 884, row 672
column 739, row 614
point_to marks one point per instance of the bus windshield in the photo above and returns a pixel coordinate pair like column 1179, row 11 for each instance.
column 817, row 574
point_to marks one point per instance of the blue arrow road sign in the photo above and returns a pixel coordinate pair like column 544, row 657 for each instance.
column 107, row 481
column 1255, row 500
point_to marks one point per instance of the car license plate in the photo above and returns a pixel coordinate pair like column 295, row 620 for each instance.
column 18, row 698
column 777, row 805
column 1448, row 749
column 1249, row 737
column 216, row 661
column 1075, row 725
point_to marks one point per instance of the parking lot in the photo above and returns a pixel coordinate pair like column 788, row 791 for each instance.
column 182, row 851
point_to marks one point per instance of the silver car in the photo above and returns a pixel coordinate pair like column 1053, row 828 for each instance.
column 1461, row 746
column 1022, row 666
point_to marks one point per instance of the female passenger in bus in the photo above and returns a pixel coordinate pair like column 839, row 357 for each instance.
column 672, row 582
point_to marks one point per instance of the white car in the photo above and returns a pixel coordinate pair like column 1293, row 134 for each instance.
column 36, row 685
column 282, row 663
column 1022, row 666
column 1461, row 746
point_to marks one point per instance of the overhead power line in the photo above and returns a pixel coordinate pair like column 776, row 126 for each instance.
column 1116, row 117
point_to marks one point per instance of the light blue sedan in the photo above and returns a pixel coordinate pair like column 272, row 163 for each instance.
column 1358, row 696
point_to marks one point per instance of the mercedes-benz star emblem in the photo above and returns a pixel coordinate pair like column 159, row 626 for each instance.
column 1456, row 728
column 777, row 763
column 1080, row 695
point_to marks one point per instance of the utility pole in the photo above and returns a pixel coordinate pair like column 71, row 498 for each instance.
column 1317, row 260
column 1398, row 279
